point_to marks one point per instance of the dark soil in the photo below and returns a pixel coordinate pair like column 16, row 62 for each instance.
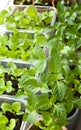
column 34, row 128
column 18, row 117
column 44, row 2
column 24, row 2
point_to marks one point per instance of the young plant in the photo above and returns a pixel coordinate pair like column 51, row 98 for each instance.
column 28, row 19
column 9, row 115
column 57, row 92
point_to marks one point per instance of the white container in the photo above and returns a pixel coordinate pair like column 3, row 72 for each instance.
column 19, row 63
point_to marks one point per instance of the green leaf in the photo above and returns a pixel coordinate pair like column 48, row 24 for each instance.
column 32, row 11
column 30, row 83
column 6, row 107
column 40, row 40
column 32, row 100
column 9, row 87
column 46, row 116
column 69, row 105
column 11, row 65
column 38, row 52
column 59, row 90
column 79, row 88
column 41, row 66
column 77, row 103
column 54, row 63
column 2, row 127
column 59, row 111
column 2, row 83
column 16, row 106
column 3, row 120
column 32, row 117
column 1, row 19
column 43, row 104
column 65, row 50
column 11, row 26
column 12, row 124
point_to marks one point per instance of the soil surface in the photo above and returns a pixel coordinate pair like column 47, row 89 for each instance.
column 18, row 117
column 44, row 2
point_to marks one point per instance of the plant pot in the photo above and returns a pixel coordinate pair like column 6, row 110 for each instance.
column 73, row 120
column 19, row 63
column 33, row 127
column 78, row 127
column 40, row 9
column 43, row 3
column 10, row 99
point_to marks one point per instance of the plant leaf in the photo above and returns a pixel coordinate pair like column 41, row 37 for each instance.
column 3, row 120
column 43, row 104
column 59, row 111
column 12, row 124
column 16, row 106
column 59, row 90
column 32, row 11
column 32, row 117
column 6, row 107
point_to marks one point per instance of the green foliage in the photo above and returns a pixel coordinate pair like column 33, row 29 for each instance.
column 62, row 76
column 53, row 84
column 14, row 108
column 29, row 19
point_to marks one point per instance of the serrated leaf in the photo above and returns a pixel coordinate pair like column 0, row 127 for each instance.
column 59, row 111
column 59, row 90
column 43, row 104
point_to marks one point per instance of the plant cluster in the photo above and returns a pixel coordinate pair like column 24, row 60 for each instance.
column 57, row 92
column 28, row 19
column 53, row 85
column 20, row 46
column 9, row 115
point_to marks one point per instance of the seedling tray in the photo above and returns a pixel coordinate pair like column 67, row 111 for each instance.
column 10, row 99
column 19, row 63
